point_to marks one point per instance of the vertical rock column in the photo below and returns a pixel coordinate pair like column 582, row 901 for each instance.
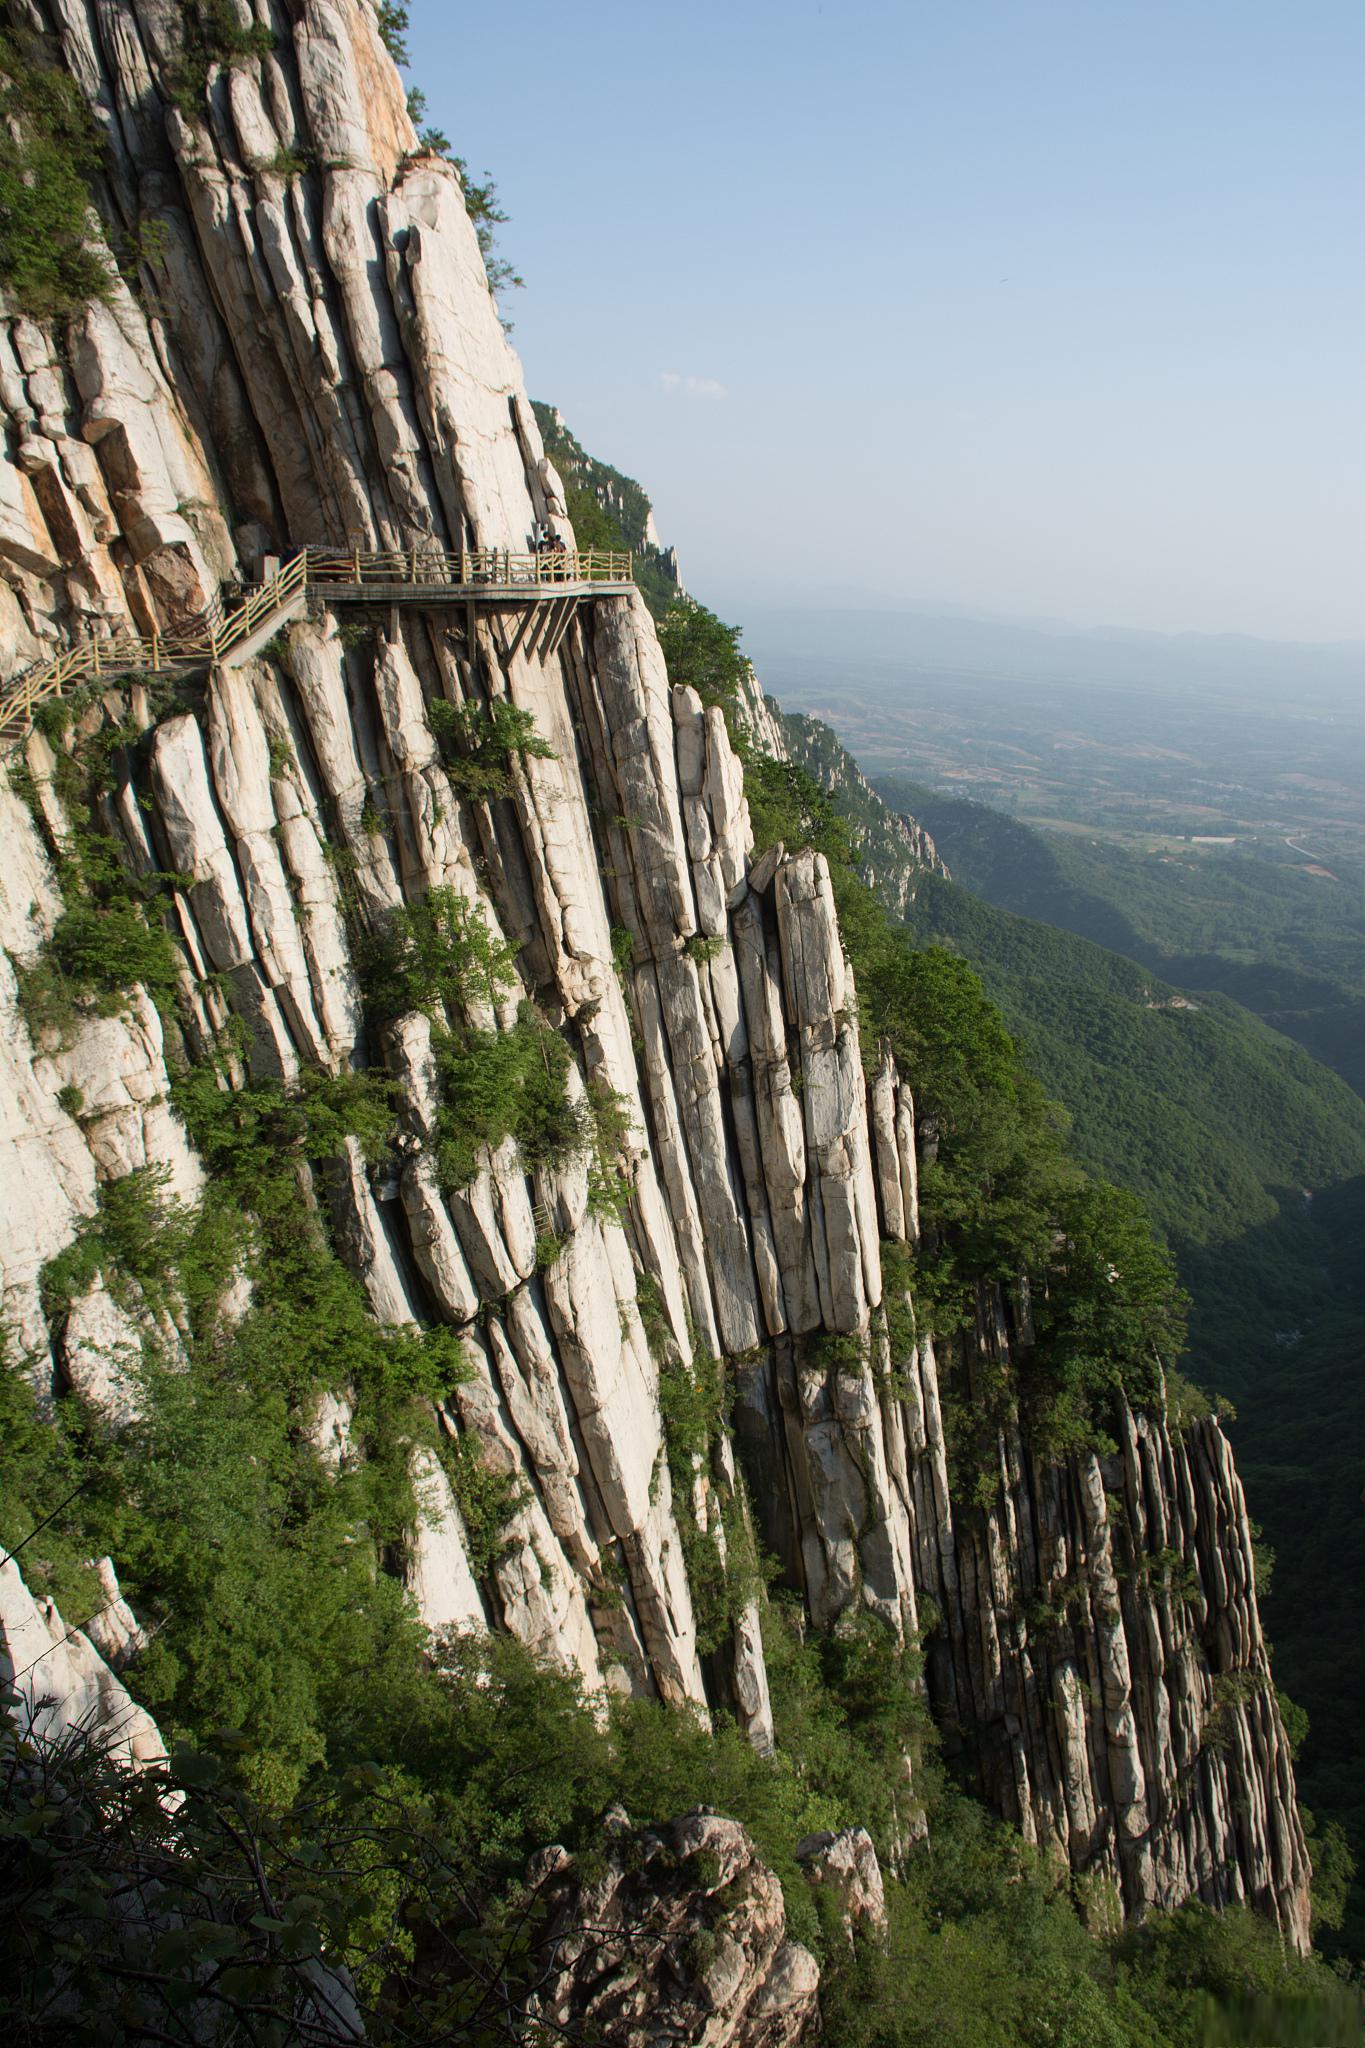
column 811, row 1421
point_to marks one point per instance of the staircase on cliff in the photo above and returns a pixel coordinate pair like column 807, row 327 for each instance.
column 557, row 579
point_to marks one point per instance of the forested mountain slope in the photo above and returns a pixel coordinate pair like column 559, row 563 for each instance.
column 1225, row 1127
column 1284, row 937
column 609, row 510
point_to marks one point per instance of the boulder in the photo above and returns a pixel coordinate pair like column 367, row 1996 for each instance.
column 682, row 1938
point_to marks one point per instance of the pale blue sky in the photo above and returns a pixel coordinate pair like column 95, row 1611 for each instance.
column 1047, row 309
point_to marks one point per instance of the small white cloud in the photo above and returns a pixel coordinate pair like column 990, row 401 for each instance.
column 689, row 387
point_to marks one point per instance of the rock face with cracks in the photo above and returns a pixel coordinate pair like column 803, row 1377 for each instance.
column 681, row 1939
column 312, row 355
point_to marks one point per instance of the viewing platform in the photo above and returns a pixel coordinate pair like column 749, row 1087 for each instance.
column 483, row 576
column 546, row 585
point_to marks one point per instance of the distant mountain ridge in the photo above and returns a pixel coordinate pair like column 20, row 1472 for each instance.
column 785, row 644
column 609, row 509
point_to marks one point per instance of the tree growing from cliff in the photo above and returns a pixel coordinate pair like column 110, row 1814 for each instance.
column 1111, row 1308
column 702, row 652
column 480, row 195
column 392, row 22
column 49, row 150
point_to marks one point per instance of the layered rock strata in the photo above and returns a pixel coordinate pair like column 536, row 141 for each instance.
column 313, row 355
column 1100, row 1659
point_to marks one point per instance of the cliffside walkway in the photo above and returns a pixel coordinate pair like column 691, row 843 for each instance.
column 547, row 585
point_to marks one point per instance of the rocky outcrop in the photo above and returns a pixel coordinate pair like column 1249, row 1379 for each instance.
column 682, row 1938
column 846, row 1865
column 891, row 849
column 65, row 1688
column 1099, row 1660
column 313, row 356
column 762, row 719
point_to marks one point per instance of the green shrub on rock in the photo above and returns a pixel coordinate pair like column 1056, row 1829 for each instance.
column 702, row 652
column 505, row 1084
column 109, row 938
column 49, row 150
column 434, row 955
column 479, row 744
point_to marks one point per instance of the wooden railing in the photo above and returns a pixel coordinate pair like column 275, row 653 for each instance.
column 210, row 637
column 468, row 568
column 469, row 571
column 221, row 630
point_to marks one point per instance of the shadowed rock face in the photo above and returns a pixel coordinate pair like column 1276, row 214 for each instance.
column 314, row 356
column 846, row 1864
column 682, row 1939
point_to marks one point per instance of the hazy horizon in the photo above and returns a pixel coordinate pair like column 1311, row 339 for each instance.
column 737, row 602
column 1045, row 312
column 808, row 657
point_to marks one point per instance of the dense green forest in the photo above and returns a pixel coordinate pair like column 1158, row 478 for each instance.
column 1223, row 1126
